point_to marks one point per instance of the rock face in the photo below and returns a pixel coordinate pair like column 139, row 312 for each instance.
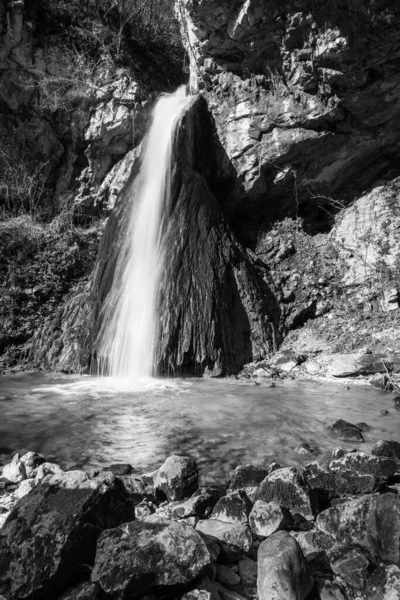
column 282, row 569
column 217, row 310
column 291, row 99
column 153, row 552
column 49, row 538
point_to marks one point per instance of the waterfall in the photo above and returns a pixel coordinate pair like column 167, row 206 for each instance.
column 128, row 332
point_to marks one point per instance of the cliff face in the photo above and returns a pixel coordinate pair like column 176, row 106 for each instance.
column 305, row 99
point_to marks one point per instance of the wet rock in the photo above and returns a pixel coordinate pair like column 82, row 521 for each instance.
column 177, row 478
column 15, row 471
column 345, row 431
column 233, row 508
column 199, row 505
column 120, row 469
column 283, row 572
column 227, row 576
column 235, row 539
column 372, row 522
column 267, row 517
column 314, row 544
column 388, row 448
column 83, row 591
column 350, row 563
column 32, row 460
column 287, row 488
column 247, row 478
column 49, row 538
column 137, row 556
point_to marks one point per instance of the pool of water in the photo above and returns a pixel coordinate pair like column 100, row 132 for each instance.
column 86, row 421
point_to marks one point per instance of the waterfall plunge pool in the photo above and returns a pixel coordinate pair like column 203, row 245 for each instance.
column 90, row 422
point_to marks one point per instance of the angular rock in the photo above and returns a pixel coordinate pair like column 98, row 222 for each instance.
column 383, row 584
column 247, row 478
column 345, row 431
column 267, row 517
column 388, row 448
column 15, row 471
column 32, row 460
column 235, row 539
column 137, row 556
column 199, row 505
column 177, row 478
column 314, row 544
column 349, row 563
column 49, row 538
column 330, row 590
column 233, row 508
column 47, row 469
column 334, row 483
column 248, row 573
column 227, row 594
column 287, row 488
column 283, row 572
column 24, row 488
column 144, row 509
column 380, row 467
column 372, row 522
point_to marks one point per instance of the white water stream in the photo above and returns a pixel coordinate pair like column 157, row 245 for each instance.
column 130, row 316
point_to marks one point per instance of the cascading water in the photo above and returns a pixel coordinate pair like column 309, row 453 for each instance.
column 130, row 316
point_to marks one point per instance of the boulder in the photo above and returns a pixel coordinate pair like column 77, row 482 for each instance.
column 15, row 471
column 247, row 478
column 227, row 576
column 199, row 505
column 380, row 467
column 345, row 431
column 372, row 522
column 388, row 448
column 383, row 584
column 283, row 573
column 177, row 478
column 137, row 556
column 32, row 460
column 314, row 544
column 233, row 508
column 48, row 468
column 235, row 539
column 267, row 517
column 350, row 563
column 48, row 541
column 287, row 488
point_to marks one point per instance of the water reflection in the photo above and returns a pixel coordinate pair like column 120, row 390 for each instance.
column 90, row 422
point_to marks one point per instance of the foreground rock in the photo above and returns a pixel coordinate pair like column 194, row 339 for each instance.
column 177, row 478
column 235, row 539
column 283, row 572
column 287, row 488
column 49, row 539
column 137, row 556
column 372, row 522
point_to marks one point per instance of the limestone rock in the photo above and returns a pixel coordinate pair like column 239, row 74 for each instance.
column 372, row 522
column 287, row 488
column 388, row 448
column 247, row 478
column 267, row 517
column 282, row 569
column 50, row 536
column 235, row 539
column 177, row 477
column 349, row 563
column 15, row 471
column 233, row 508
column 136, row 556
column 32, row 460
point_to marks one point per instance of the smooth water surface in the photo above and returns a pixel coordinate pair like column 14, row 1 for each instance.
column 90, row 421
